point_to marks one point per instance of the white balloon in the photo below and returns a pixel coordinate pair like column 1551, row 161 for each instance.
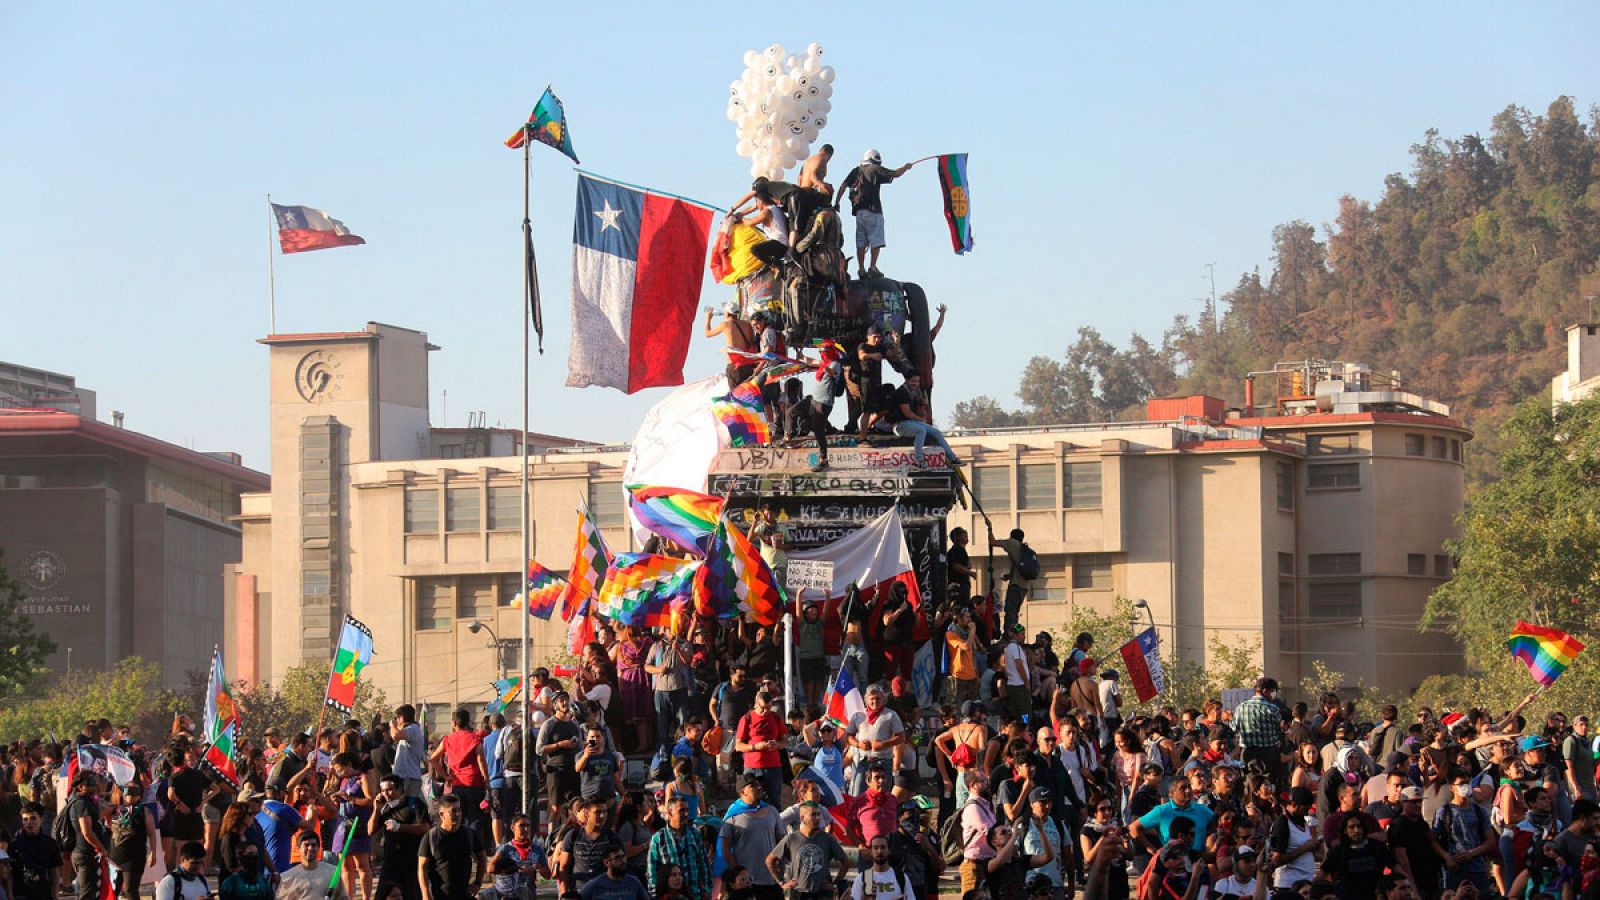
column 813, row 50
column 757, row 168
column 826, row 74
column 792, row 62
column 802, row 80
column 775, row 52
column 784, row 84
column 770, row 71
column 813, row 92
column 805, row 118
column 734, row 113
column 793, row 128
column 827, row 90
column 821, row 107
column 819, row 122
column 798, row 97
column 811, row 66
column 750, row 56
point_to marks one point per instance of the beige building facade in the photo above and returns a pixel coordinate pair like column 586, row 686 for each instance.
column 1314, row 529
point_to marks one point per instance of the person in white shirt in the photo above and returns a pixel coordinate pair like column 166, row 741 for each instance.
column 1241, row 883
column 310, row 879
column 880, row 881
column 188, row 880
column 1110, row 704
column 1015, row 658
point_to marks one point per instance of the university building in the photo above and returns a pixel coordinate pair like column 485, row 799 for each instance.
column 1312, row 523
column 118, row 539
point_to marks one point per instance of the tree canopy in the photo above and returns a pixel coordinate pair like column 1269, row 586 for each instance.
column 22, row 650
column 1462, row 276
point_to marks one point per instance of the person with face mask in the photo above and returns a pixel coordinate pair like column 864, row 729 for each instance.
column 1463, row 830
column 507, row 882
column 251, row 880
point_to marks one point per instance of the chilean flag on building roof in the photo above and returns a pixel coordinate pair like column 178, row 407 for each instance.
column 302, row 228
column 637, row 256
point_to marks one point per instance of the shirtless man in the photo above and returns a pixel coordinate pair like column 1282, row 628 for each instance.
column 1085, row 691
column 814, row 172
column 739, row 337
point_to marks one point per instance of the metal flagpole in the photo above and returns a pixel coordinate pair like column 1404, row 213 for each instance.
column 526, row 313
column 272, row 281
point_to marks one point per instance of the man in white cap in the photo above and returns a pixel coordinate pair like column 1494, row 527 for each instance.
column 863, row 185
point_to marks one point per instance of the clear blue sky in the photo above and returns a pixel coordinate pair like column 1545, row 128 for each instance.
column 1115, row 152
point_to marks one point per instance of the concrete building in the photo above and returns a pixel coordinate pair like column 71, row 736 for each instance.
column 118, row 539
column 1313, row 523
column 1582, row 376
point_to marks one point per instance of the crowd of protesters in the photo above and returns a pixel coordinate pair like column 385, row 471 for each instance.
column 675, row 767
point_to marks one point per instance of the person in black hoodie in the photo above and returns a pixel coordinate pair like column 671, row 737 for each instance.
column 35, row 857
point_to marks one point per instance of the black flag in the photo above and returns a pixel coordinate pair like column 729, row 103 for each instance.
column 532, row 273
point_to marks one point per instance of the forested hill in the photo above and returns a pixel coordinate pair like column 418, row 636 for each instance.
column 1462, row 277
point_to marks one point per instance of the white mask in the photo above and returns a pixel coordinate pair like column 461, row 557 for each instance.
column 1463, row 790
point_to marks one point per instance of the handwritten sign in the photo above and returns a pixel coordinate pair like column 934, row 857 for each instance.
column 810, row 575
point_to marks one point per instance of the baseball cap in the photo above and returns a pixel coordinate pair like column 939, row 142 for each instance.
column 1039, row 795
column 1395, row 761
column 1411, row 793
column 1532, row 742
column 1019, row 628
column 1043, row 637
column 1244, row 852
column 749, row 779
column 872, row 156
column 1109, row 675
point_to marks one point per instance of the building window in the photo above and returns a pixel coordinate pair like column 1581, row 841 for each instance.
column 462, row 509
column 1285, row 485
column 1455, row 450
column 1036, row 486
column 1415, row 444
column 1287, row 616
column 1441, row 565
column 434, row 604
column 475, row 597
column 1336, row 475
column 1091, row 572
column 1439, row 448
column 605, row 503
column 1416, row 564
column 1052, row 583
column 1334, row 601
column 1324, row 444
column 992, row 486
column 1285, row 563
column 1334, row 563
column 1081, row 489
column 507, row 587
column 505, row 509
column 422, row 511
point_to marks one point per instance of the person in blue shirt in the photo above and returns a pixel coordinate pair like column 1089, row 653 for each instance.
column 1181, row 806
column 500, row 812
column 279, row 822
column 827, row 746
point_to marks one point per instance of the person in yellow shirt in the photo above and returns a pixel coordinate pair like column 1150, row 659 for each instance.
column 962, row 640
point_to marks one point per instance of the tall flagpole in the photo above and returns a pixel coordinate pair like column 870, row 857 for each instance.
column 272, row 281
column 526, row 313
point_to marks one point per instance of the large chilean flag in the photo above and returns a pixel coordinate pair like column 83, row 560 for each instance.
column 637, row 258
column 302, row 228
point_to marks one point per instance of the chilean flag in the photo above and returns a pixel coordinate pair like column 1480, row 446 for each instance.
column 873, row 559
column 844, row 700
column 301, row 228
column 1142, row 658
column 636, row 263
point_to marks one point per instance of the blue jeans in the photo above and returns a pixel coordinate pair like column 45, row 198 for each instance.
column 669, row 709
column 920, row 432
column 772, row 781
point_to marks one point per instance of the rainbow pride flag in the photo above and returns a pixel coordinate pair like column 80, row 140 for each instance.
column 1545, row 651
column 544, row 590
column 641, row 588
column 683, row 517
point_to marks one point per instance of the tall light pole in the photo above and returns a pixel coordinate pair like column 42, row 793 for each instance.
column 1150, row 616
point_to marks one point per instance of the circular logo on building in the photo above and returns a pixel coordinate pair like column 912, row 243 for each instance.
column 41, row 569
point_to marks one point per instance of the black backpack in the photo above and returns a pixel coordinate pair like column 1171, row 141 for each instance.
column 1028, row 563
column 511, row 750
column 65, row 831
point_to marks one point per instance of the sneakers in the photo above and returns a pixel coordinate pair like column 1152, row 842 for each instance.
column 820, row 465
column 874, row 273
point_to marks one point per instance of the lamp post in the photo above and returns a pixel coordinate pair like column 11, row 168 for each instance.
column 499, row 656
column 1150, row 616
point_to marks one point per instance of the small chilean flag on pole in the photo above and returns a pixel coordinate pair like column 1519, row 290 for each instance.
column 844, row 701
column 301, row 228
column 637, row 258
column 1142, row 657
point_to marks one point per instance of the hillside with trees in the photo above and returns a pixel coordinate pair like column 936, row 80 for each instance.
column 1461, row 276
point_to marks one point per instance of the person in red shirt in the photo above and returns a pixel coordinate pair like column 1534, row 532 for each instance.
column 466, row 776
column 877, row 812
column 759, row 736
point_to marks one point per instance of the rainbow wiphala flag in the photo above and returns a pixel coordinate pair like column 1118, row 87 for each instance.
column 642, row 589
column 542, row 590
column 1546, row 652
column 590, row 561
column 683, row 517
column 735, row 579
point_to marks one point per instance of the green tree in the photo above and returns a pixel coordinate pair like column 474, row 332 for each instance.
column 129, row 694
column 22, row 650
column 984, row 412
column 293, row 704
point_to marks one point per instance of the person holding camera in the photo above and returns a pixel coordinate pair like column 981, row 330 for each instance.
column 397, row 825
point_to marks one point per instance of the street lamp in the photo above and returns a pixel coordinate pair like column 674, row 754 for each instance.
column 499, row 661
column 1141, row 604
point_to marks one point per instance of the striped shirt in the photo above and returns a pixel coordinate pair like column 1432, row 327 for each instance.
column 667, row 849
column 1259, row 722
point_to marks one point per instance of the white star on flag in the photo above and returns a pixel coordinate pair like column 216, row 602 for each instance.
column 608, row 217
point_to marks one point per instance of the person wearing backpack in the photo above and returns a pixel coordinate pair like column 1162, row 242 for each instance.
column 1019, row 579
column 188, row 880
column 80, row 832
column 1463, row 830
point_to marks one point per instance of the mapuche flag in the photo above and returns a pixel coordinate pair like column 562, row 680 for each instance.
column 957, row 200
column 354, row 654
column 636, row 262
column 547, row 125
column 301, row 228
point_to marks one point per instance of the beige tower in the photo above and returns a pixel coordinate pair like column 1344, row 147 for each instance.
column 337, row 399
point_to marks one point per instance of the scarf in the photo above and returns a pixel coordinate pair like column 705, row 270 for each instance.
column 873, row 714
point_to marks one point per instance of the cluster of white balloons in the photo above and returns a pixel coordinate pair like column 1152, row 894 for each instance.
column 779, row 106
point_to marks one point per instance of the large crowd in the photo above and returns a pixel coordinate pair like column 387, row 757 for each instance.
column 677, row 767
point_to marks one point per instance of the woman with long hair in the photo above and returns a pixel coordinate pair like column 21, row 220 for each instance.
column 1307, row 772
column 233, row 837
column 1126, row 764
column 638, row 696
column 358, row 786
